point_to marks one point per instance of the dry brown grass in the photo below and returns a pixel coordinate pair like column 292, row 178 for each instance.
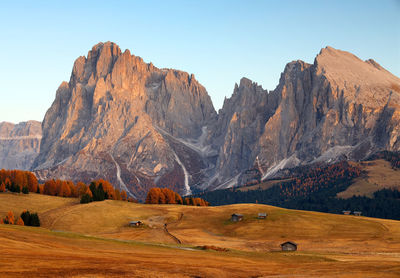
column 41, row 253
column 380, row 175
column 329, row 245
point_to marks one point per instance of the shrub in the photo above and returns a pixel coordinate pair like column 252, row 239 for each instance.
column 86, row 199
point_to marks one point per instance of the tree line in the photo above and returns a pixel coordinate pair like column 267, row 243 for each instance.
column 158, row 195
column 25, row 181
column 315, row 189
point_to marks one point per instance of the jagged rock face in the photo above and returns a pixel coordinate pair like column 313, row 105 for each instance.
column 240, row 123
column 19, row 144
column 339, row 107
column 112, row 118
column 138, row 126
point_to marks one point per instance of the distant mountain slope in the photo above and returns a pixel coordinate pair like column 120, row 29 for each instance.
column 19, row 144
column 371, row 186
column 127, row 121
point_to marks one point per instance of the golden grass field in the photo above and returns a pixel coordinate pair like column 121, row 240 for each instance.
column 380, row 174
column 94, row 240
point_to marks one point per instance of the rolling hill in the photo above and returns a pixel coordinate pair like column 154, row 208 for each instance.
column 95, row 240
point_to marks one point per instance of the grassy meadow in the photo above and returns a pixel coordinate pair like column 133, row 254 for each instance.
column 94, row 240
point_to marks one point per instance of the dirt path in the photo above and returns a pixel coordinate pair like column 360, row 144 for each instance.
column 52, row 216
column 177, row 240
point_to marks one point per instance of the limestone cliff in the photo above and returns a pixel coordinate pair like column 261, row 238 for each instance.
column 340, row 107
column 111, row 119
column 19, row 144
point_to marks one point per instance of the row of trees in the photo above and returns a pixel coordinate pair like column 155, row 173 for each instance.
column 312, row 180
column 311, row 191
column 101, row 190
column 26, row 219
column 10, row 219
column 25, row 181
column 158, row 195
column 17, row 180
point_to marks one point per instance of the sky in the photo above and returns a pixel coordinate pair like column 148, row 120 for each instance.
column 218, row 41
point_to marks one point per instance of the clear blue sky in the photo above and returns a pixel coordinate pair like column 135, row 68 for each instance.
column 218, row 41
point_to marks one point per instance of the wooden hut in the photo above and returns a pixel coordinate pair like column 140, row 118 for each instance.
column 346, row 212
column 357, row 213
column 289, row 246
column 135, row 223
column 236, row 217
column 262, row 215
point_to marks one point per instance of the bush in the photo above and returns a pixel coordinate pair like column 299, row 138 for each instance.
column 30, row 219
column 25, row 190
column 86, row 199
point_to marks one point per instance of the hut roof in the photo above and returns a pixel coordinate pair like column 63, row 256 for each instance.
column 289, row 242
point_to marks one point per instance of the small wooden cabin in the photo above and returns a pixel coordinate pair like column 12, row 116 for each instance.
column 236, row 217
column 135, row 223
column 357, row 213
column 346, row 212
column 289, row 246
column 262, row 215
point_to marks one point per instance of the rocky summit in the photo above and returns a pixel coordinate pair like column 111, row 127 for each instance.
column 138, row 126
column 122, row 119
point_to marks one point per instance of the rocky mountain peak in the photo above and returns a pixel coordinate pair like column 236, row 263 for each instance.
column 124, row 113
column 138, row 126
column 364, row 82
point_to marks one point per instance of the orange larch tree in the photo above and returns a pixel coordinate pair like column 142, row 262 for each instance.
column 20, row 222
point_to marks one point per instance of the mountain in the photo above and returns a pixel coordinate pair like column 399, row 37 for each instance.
column 340, row 107
column 19, row 144
column 122, row 119
column 139, row 126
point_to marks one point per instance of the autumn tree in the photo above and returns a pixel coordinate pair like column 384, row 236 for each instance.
column 152, row 196
column 9, row 218
column 2, row 187
column 19, row 222
column 178, row 199
column 169, row 196
column 32, row 182
column 65, row 190
column 50, row 188
column 81, row 188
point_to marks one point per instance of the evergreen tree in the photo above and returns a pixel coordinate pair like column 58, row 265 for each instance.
column 86, row 198
column 25, row 190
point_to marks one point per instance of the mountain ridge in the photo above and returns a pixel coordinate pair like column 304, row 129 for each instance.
column 138, row 126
